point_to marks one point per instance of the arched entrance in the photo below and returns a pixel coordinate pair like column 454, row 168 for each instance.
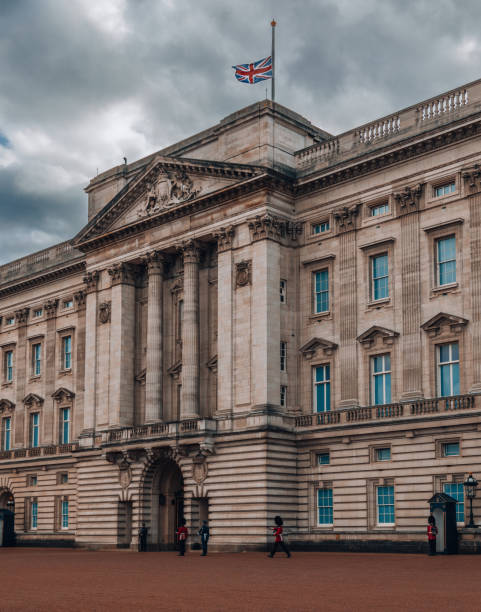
column 7, row 506
column 163, row 504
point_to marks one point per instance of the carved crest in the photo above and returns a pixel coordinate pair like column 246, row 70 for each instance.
column 168, row 190
column 243, row 273
column 199, row 472
column 104, row 312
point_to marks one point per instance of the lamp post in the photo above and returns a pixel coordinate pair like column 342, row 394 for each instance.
column 470, row 485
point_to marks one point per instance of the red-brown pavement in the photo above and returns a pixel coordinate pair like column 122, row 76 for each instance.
column 75, row 580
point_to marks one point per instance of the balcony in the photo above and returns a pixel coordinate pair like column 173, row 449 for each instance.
column 158, row 430
column 39, row 451
column 437, row 406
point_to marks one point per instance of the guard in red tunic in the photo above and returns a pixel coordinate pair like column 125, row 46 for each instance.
column 279, row 538
column 432, row 532
column 182, row 533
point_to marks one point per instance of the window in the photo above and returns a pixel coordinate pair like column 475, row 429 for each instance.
column 379, row 277
column 37, row 313
column 324, row 506
column 67, row 303
column 6, row 433
column 283, row 292
column 283, row 356
column 64, row 425
column 64, row 507
column 32, row 480
column 9, row 320
column 448, row 369
column 33, row 514
column 383, row 454
column 380, row 209
column 62, row 478
column 66, row 352
column 36, row 359
column 381, row 379
column 385, row 505
column 283, row 400
column 8, row 366
column 444, row 189
column 320, row 228
column 321, row 291
column 34, row 429
column 446, row 260
column 322, row 388
column 456, row 491
column 450, row 449
column 323, row 459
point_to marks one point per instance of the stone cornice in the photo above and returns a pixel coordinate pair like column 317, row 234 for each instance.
column 23, row 284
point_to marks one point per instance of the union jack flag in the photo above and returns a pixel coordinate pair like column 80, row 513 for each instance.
column 255, row 72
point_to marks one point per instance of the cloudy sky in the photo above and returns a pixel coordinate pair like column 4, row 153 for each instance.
column 85, row 82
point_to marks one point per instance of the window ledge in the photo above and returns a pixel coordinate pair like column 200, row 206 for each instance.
column 34, row 378
column 7, row 384
column 379, row 303
column 320, row 315
column 449, row 288
column 65, row 372
column 322, row 528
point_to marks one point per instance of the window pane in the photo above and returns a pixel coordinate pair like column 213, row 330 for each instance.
column 456, row 491
column 323, row 459
column 444, row 353
column 451, row 449
column 455, row 373
column 445, row 374
column 454, row 351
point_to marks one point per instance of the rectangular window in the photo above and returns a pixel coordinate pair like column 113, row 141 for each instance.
column 33, row 514
column 383, row 454
column 321, row 291
column 448, row 369
column 379, row 277
column 64, row 514
column 320, row 228
column 323, row 459
column 65, row 426
column 6, row 433
column 37, row 313
column 381, row 379
column 9, row 320
column 32, row 480
column 67, row 303
column 324, row 506
column 381, row 209
column 442, row 190
column 446, row 260
column 34, row 429
column 63, row 478
column 322, row 388
column 283, row 292
column 36, row 359
column 283, row 356
column 450, row 449
column 283, row 400
column 385, row 505
column 9, row 366
column 66, row 352
column 456, row 491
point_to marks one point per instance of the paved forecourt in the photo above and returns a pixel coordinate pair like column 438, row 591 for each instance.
column 56, row 579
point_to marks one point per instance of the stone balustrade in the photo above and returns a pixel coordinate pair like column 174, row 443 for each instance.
column 159, row 430
column 437, row 406
column 39, row 451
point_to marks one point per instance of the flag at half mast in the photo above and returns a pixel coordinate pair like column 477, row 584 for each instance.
column 254, row 72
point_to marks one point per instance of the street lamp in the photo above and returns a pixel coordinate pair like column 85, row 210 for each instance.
column 470, row 485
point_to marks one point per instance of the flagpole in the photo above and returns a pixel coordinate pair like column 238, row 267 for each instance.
column 273, row 55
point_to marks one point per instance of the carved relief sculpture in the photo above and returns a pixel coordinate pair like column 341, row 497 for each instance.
column 104, row 312
column 408, row 199
column 243, row 273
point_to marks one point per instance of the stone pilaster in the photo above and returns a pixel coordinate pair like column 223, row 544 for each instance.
column 49, row 435
column 80, row 299
column 21, row 318
column 91, row 282
column 190, row 332
column 122, row 345
column 153, row 374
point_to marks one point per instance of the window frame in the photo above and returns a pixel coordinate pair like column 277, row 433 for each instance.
column 283, row 356
column 323, row 454
column 314, row 292
column 283, row 291
column 63, row 422
column 283, row 396
column 450, row 363
column 33, row 514
column 326, row 382
column 377, row 206
column 373, row 279
column 64, row 502
column 439, row 263
column 6, row 433
column 380, row 523
column 460, row 487
column 8, row 368
column 319, row 224
column 373, row 375
column 36, row 360
column 34, row 429
column 443, row 185
column 330, row 506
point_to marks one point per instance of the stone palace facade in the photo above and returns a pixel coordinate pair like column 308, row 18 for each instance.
column 261, row 319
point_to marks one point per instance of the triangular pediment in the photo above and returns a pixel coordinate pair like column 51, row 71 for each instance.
column 434, row 324
column 310, row 348
column 376, row 331
column 6, row 405
column 62, row 394
column 168, row 184
column 33, row 399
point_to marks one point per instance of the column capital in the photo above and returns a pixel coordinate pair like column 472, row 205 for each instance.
column 346, row 217
column 224, row 237
column 408, row 198
column 50, row 308
column 190, row 251
column 79, row 297
column 122, row 274
column 90, row 280
column 472, row 178
column 21, row 316
column 155, row 261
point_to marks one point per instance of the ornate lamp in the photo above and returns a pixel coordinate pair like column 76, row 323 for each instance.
column 470, row 485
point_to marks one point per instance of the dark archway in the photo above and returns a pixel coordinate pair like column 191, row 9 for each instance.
column 7, row 518
column 163, row 503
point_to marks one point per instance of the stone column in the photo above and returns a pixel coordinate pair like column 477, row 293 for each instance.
column 49, row 435
column 472, row 178
column 190, row 333
column 79, row 297
column 89, row 421
column 348, row 345
column 153, row 375
column 122, row 345
column 21, row 318
column 408, row 208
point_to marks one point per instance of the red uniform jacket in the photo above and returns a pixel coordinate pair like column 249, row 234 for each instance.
column 182, row 533
column 432, row 531
column 278, row 533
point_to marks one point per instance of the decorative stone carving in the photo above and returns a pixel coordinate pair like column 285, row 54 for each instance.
column 309, row 349
column 125, row 477
column 175, row 370
column 122, row 273
column 167, row 190
column 79, row 297
column 21, row 316
column 472, row 177
column 368, row 338
column 243, row 273
column 105, row 309
column 267, row 226
column 33, row 400
column 62, row 394
column 190, row 251
column 408, row 199
column 212, row 364
column 91, row 280
column 155, row 262
column 433, row 326
column 345, row 217
column 224, row 237
column 50, row 308
column 6, row 406
column 199, row 471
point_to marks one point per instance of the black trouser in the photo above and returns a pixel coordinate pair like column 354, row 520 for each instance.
column 283, row 546
column 181, row 547
column 432, row 547
column 204, row 545
column 142, row 544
